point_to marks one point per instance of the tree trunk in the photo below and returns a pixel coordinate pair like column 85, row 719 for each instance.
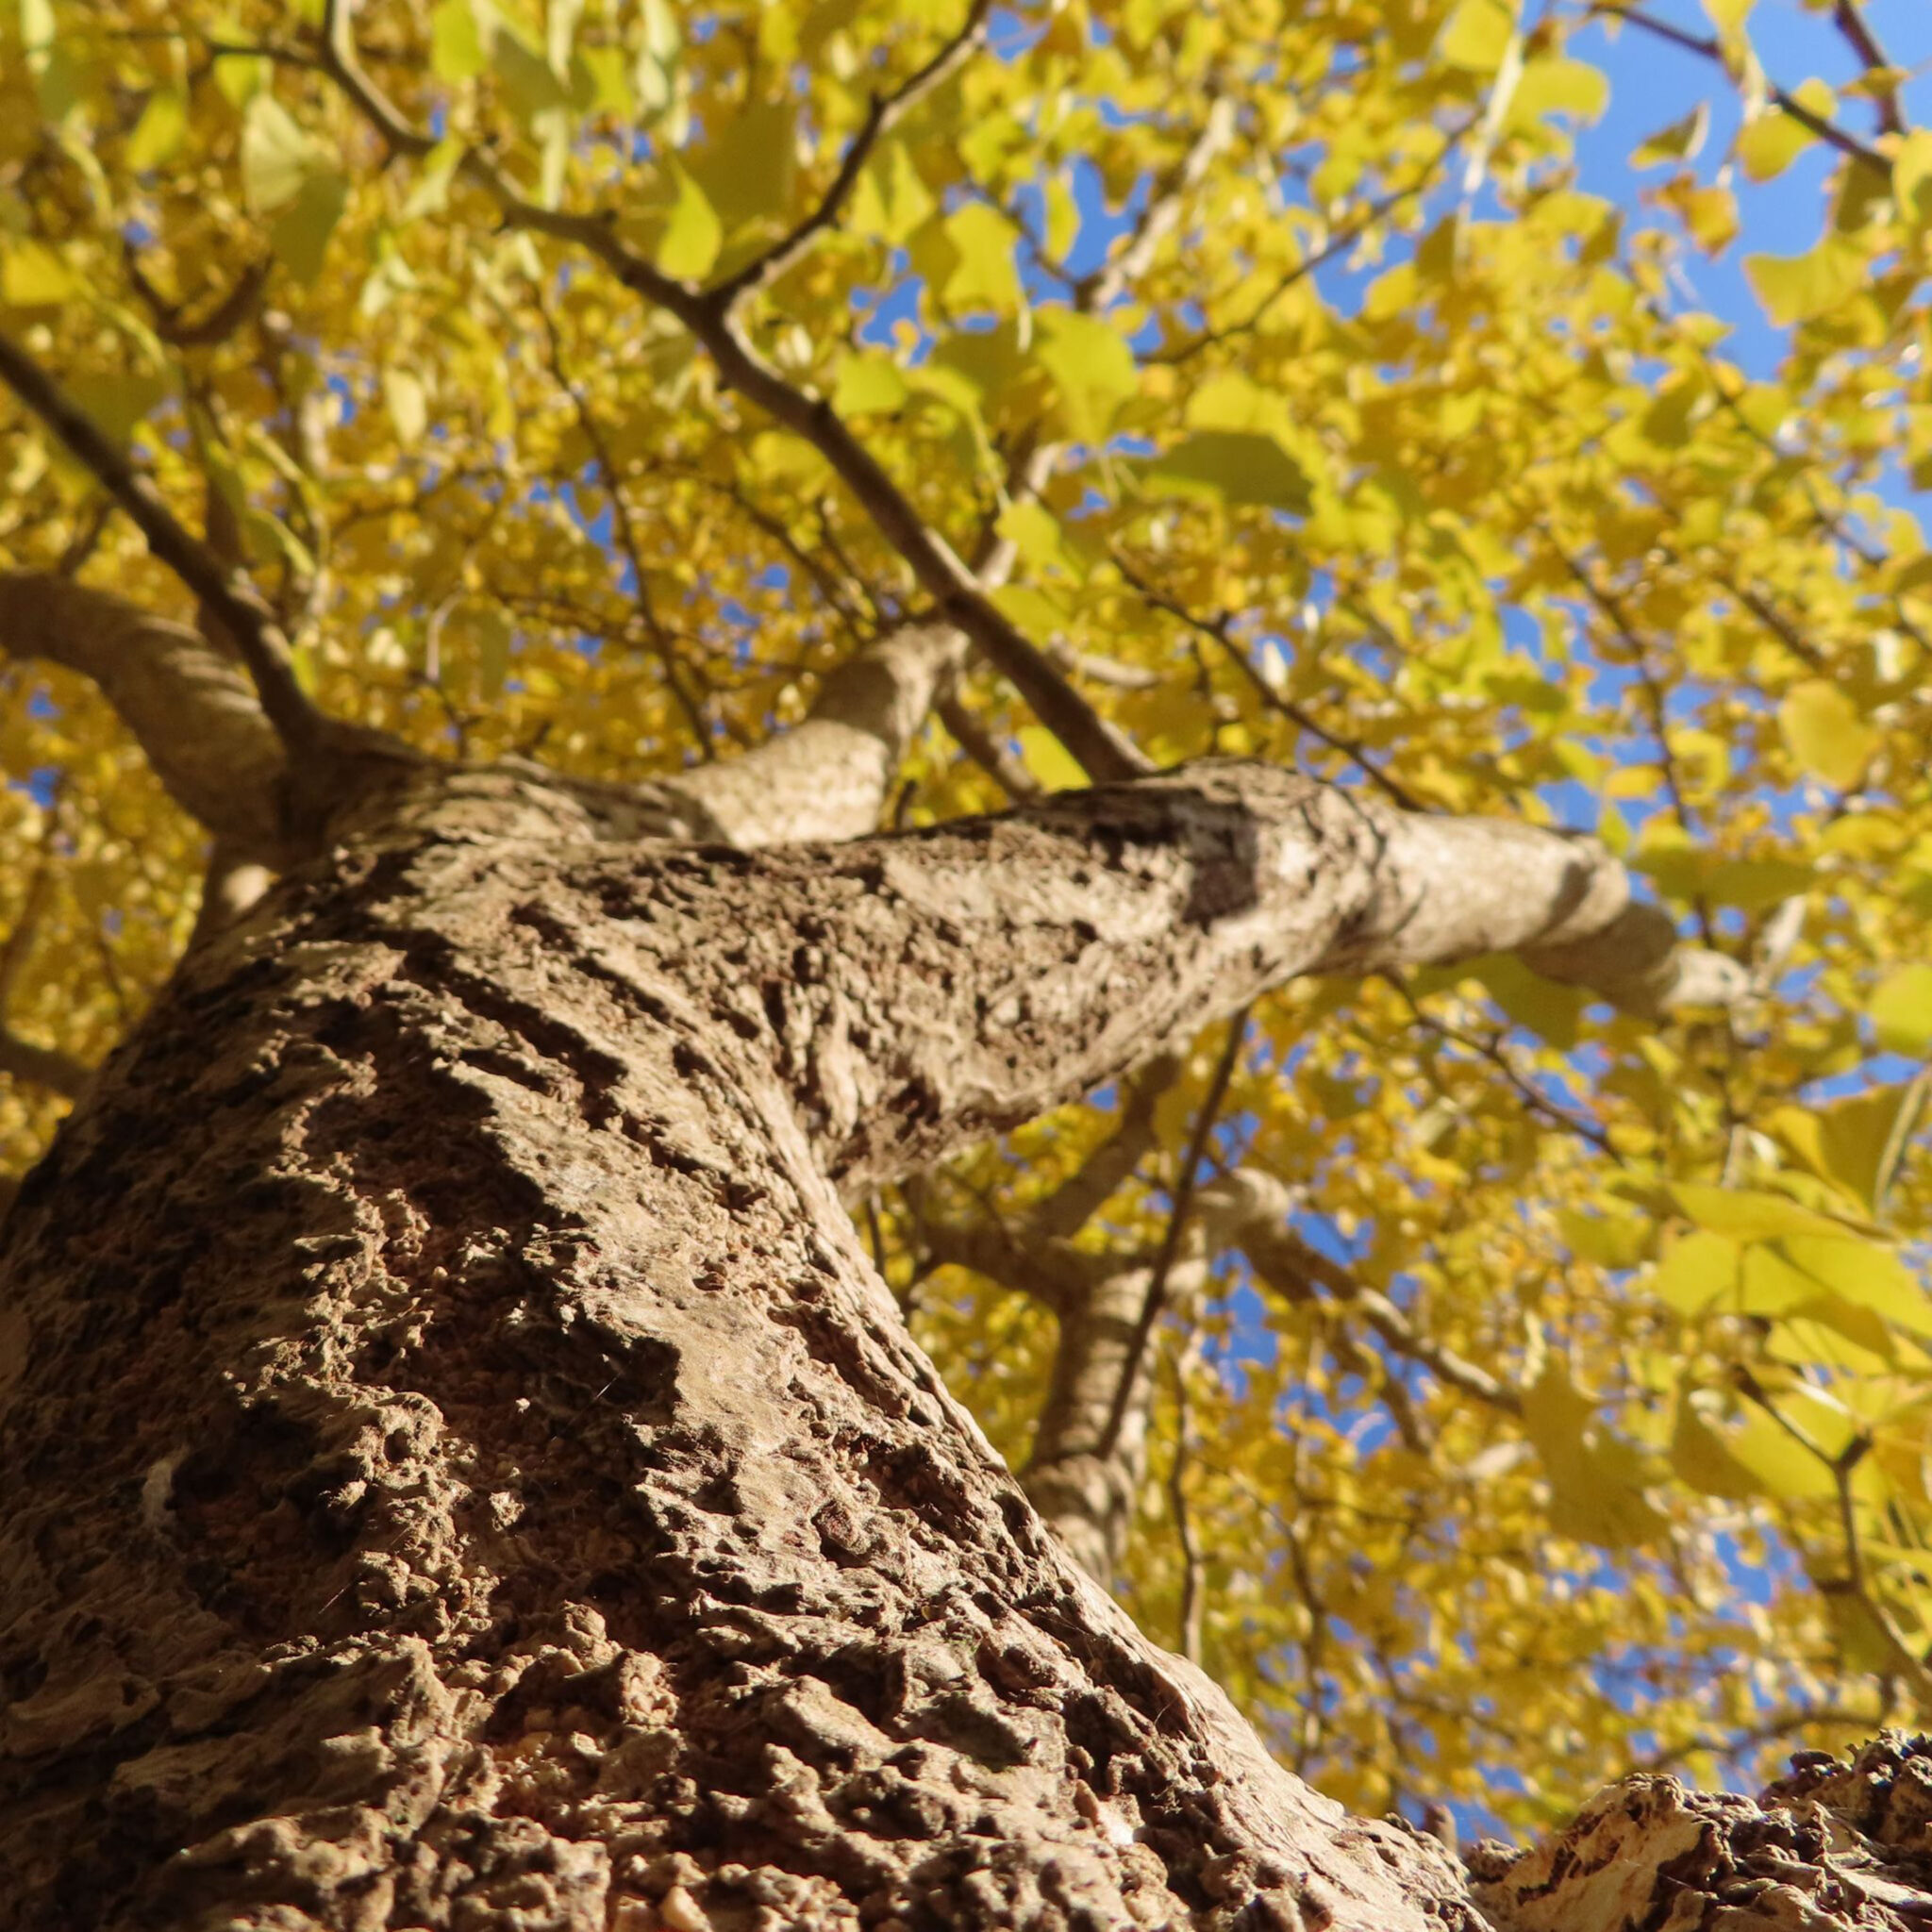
column 465, row 1472
column 468, row 1475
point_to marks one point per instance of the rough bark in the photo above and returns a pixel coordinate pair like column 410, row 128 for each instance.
column 472, row 1477
column 467, row 1473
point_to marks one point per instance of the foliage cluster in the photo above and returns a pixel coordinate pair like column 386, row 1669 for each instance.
column 1273, row 365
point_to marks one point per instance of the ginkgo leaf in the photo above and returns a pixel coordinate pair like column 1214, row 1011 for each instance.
column 693, row 233
column 1824, row 732
column 277, row 155
column 1238, row 467
column 1796, row 287
column 1092, row 367
column 1680, row 141
column 1901, row 1010
column 1477, row 35
column 160, row 132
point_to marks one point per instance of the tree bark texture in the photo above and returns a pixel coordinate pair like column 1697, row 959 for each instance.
column 465, row 1471
column 468, row 1475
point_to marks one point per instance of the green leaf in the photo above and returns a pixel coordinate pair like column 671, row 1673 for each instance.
column 1238, row 467
column 1901, row 1011
column 1796, row 286
column 160, row 132
column 1092, row 367
column 277, row 156
column 1825, row 733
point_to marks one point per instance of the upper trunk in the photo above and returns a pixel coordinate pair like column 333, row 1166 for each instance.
column 468, row 1473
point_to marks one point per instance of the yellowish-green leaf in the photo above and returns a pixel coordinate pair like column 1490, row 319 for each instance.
column 33, row 275
column 1770, row 143
column 1680, row 141
column 300, row 234
column 1477, row 35
column 1049, row 760
column 985, row 271
column 693, row 233
column 747, row 170
column 458, row 48
column 1091, row 368
column 1698, row 1268
column 160, row 132
column 891, row 200
column 1238, row 467
column 277, row 156
column 1825, row 733
column 407, row 403
column 867, row 385
column 1747, row 1214
column 1793, row 287
column 1901, row 1010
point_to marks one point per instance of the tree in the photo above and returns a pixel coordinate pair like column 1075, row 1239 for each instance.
column 505, row 507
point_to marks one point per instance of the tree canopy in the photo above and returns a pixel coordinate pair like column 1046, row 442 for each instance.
column 1539, row 1389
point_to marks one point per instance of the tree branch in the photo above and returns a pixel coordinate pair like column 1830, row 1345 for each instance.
column 961, row 599
column 1709, row 48
column 228, row 594
column 187, row 706
column 883, row 112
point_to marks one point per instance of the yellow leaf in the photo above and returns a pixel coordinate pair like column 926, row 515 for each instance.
column 1796, row 286
column 1236, row 466
column 1825, row 733
column 1748, row 1214
column 1728, row 16
column 1477, row 35
column 33, row 275
column 1698, row 1268
column 1768, row 144
column 1680, row 141
column 407, row 403
column 1901, row 1010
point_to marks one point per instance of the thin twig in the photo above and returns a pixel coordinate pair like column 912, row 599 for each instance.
column 1221, row 630
column 1155, row 1297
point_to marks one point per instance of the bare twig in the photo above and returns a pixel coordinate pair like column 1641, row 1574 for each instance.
column 1859, row 36
column 1221, row 630
column 1155, row 1297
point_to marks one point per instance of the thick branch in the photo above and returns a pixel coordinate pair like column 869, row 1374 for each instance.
column 978, row 973
column 828, row 776
column 189, row 706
